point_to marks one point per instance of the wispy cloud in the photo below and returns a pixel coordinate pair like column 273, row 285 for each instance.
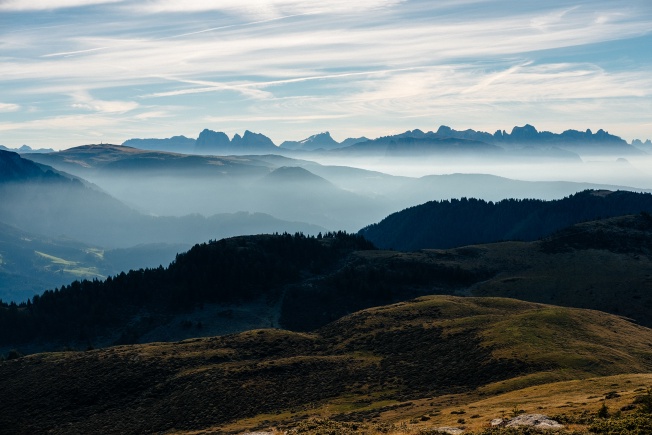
column 8, row 107
column 251, row 88
column 83, row 100
column 32, row 5
column 264, row 8
column 340, row 62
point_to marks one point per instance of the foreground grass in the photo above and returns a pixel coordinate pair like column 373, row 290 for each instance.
column 438, row 361
column 576, row 404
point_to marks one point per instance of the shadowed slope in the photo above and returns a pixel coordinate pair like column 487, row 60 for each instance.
column 447, row 224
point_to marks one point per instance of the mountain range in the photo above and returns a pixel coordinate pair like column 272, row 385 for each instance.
column 27, row 149
column 163, row 183
column 445, row 140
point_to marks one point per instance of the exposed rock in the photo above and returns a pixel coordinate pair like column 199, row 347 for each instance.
column 497, row 422
column 450, row 430
column 539, row 421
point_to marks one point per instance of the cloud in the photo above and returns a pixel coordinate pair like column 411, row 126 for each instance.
column 275, row 60
column 35, row 5
column 8, row 107
column 60, row 123
column 264, row 8
column 154, row 114
column 546, row 21
column 243, row 119
column 252, row 88
column 84, row 101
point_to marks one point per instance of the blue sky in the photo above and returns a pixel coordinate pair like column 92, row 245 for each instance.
column 75, row 72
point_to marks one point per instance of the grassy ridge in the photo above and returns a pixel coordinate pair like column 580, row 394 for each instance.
column 353, row 369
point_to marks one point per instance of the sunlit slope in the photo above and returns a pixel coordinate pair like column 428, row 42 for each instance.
column 424, row 348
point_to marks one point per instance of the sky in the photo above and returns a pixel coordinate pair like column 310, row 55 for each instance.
column 75, row 72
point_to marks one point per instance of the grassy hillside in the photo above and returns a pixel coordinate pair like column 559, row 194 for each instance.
column 382, row 364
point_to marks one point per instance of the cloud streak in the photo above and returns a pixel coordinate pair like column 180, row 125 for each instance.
column 264, row 8
column 7, row 107
column 36, row 5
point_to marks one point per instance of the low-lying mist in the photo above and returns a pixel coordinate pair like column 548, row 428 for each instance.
column 630, row 171
column 348, row 194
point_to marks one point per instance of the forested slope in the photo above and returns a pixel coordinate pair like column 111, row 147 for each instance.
column 467, row 221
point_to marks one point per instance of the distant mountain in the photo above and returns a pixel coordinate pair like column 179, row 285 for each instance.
column 91, row 159
column 582, row 142
column 76, row 209
column 291, row 191
column 173, row 144
column 25, row 149
column 171, row 184
column 522, row 142
column 211, row 142
column 352, row 141
column 644, row 146
column 322, row 141
column 295, row 177
column 459, row 222
column 416, row 143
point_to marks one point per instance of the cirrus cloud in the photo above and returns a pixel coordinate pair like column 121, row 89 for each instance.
column 8, row 107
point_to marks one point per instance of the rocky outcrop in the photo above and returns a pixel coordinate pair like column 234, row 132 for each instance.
column 538, row 421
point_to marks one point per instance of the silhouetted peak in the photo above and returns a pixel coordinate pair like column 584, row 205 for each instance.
column 209, row 139
column 316, row 141
column 353, row 140
column 254, row 141
column 444, row 130
column 526, row 131
column 324, row 136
